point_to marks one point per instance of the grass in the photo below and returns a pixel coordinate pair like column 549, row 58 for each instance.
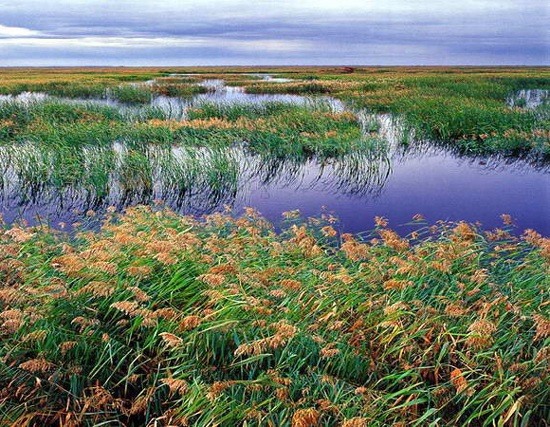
column 277, row 128
column 177, row 321
column 465, row 106
column 178, row 89
column 158, row 319
column 131, row 94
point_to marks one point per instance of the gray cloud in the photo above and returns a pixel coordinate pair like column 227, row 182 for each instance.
column 268, row 32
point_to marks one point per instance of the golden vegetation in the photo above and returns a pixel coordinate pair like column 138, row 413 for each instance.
column 304, row 328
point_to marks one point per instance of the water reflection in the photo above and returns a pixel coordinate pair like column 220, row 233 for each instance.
column 387, row 179
column 529, row 98
column 191, row 180
column 25, row 98
column 270, row 78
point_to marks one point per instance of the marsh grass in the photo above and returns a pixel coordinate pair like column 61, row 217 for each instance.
column 272, row 127
column 161, row 320
column 121, row 174
column 169, row 320
column 465, row 106
column 168, row 88
column 131, row 94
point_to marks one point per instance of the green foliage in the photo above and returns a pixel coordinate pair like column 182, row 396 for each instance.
column 168, row 319
column 131, row 94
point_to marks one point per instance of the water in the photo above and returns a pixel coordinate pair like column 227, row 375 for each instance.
column 437, row 185
column 271, row 79
column 25, row 98
column 393, row 183
column 390, row 180
column 529, row 98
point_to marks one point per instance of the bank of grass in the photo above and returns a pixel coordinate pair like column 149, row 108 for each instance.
column 71, row 82
column 276, row 128
column 166, row 320
column 462, row 105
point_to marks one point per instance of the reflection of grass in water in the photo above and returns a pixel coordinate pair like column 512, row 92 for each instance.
column 200, row 178
column 361, row 172
column 129, row 174
column 222, row 321
column 134, row 176
column 143, row 94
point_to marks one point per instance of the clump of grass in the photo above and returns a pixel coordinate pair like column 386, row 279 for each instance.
column 451, row 118
column 131, row 94
column 178, row 89
column 62, row 89
column 307, row 87
column 178, row 321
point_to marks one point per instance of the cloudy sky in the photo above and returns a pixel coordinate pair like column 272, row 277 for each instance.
column 264, row 32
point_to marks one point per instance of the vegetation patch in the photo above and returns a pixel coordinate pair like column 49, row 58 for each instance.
column 179, row 321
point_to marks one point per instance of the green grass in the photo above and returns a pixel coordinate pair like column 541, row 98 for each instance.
column 461, row 106
column 178, row 89
column 276, row 128
column 159, row 319
column 131, row 94
column 221, row 321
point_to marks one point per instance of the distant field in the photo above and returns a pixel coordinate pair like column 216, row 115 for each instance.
column 464, row 104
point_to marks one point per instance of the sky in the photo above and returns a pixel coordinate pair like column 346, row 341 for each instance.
column 282, row 32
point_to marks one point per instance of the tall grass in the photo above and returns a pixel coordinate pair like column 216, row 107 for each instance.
column 131, row 94
column 167, row 320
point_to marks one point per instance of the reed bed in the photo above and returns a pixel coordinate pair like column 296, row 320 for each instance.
column 166, row 320
column 272, row 127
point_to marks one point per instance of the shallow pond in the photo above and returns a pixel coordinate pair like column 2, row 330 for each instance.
column 397, row 185
column 529, row 98
column 389, row 180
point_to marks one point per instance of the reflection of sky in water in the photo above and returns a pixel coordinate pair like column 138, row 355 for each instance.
column 438, row 185
column 529, row 98
column 396, row 184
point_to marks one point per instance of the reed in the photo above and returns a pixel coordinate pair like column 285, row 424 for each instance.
column 179, row 321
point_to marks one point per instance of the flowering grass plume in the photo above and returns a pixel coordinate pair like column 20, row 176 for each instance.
column 164, row 320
